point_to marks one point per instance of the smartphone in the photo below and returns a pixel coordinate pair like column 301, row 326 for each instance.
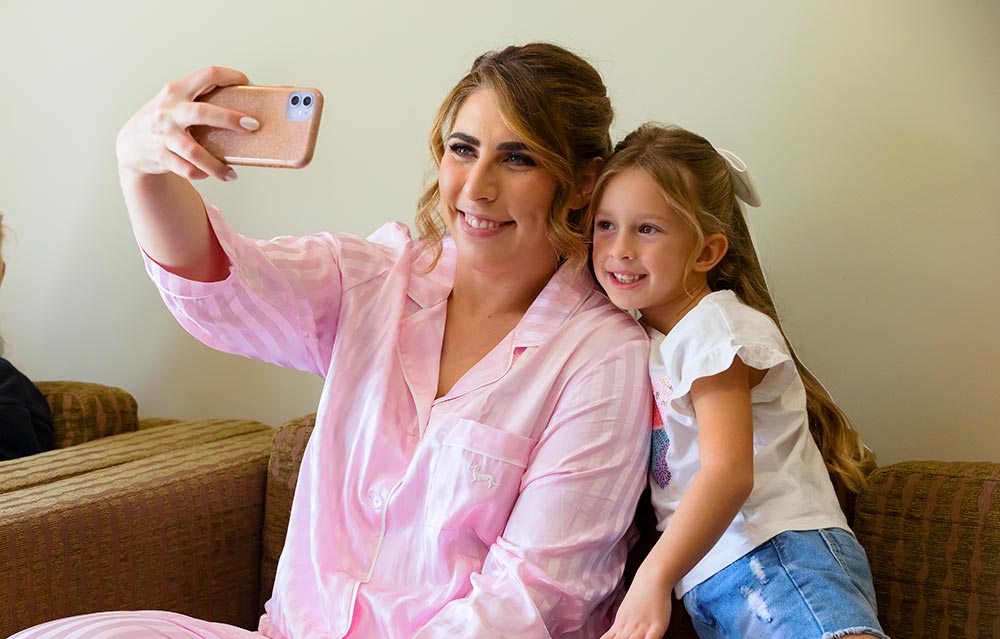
column 289, row 123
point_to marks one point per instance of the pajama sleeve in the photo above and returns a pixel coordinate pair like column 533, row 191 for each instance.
column 281, row 301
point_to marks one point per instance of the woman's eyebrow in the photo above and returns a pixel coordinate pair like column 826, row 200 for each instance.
column 512, row 146
column 465, row 137
column 503, row 146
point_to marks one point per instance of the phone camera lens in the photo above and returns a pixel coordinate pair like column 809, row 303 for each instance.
column 306, row 101
column 295, row 100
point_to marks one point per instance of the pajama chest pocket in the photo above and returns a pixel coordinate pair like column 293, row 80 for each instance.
column 476, row 478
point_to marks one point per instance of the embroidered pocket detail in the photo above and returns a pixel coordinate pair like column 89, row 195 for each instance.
column 476, row 478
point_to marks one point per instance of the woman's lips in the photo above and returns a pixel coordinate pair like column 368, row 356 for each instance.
column 481, row 226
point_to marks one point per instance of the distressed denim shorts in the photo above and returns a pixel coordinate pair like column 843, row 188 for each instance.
column 813, row 584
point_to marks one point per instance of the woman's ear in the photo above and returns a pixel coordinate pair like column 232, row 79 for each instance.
column 585, row 184
column 716, row 247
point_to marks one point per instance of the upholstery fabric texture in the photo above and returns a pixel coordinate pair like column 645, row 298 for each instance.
column 932, row 533
column 82, row 412
column 102, row 453
column 168, row 516
column 282, row 474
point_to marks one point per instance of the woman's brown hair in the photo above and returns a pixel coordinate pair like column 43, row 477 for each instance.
column 696, row 182
column 558, row 104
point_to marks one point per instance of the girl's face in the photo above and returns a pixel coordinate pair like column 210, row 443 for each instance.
column 495, row 196
column 641, row 251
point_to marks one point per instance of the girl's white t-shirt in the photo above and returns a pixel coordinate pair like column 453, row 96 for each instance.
column 792, row 490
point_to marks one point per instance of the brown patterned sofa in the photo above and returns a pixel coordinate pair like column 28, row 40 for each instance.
column 931, row 529
column 131, row 514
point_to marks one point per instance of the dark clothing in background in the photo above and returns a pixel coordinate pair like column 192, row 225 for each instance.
column 25, row 419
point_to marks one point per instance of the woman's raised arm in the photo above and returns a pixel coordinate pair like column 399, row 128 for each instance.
column 156, row 159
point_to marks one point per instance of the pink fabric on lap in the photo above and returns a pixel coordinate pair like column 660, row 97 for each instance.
column 145, row 624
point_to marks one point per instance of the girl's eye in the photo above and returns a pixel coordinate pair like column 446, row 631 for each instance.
column 462, row 149
column 647, row 229
column 520, row 159
column 603, row 225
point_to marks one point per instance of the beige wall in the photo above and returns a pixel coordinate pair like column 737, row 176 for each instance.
column 872, row 130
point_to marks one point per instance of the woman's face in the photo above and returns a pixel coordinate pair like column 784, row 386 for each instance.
column 495, row 195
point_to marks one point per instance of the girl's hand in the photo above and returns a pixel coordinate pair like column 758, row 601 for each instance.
column 645, row 611
column 156, row 140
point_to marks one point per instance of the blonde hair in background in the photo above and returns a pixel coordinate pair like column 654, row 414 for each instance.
column 558, row 104
column 695, row 181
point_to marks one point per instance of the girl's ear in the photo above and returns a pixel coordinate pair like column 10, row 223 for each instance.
column 585, row 184
column 716, row 247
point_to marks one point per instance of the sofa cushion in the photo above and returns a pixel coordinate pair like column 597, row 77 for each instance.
column 120, row 449
column 176, row 530
column 83, row 411
column 932, row 534
column 283, row 472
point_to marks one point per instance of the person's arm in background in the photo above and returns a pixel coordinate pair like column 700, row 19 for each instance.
column 156, row 158
column 561, row 554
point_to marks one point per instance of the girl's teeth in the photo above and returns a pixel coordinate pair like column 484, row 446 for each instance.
column 479, row 223
column 626, row 279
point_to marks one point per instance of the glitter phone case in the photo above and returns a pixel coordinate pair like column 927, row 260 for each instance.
column 289, row 123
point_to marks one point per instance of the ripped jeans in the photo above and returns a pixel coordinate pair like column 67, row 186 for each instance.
column 813, row 584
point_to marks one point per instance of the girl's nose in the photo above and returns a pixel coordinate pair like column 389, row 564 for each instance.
column 621, row 247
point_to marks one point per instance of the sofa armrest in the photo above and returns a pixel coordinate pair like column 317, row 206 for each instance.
column 83, row 411
column 932, row 534
column 287, row 449
column 179, row 530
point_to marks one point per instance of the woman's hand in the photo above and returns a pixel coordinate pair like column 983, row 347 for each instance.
column 156, row 140
column 645, row 611
column 156, row 158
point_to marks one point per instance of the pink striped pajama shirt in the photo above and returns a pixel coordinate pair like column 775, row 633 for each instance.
column 497, row 510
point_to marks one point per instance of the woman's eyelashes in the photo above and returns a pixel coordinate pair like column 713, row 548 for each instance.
column 520, row 159
column 461, row 149
column 465, row 150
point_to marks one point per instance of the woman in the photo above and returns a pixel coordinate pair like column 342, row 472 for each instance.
column 483, row 430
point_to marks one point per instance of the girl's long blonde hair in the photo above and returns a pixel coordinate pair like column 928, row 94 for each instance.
column 695, row 181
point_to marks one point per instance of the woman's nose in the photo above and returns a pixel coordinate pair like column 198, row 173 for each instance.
column 481, row 182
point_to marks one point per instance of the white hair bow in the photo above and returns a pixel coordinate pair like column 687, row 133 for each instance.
column 743, row 185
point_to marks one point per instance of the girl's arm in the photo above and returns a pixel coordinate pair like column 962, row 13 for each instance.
column 156, row 158
column 714, row 497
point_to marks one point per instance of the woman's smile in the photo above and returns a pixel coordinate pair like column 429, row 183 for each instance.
column 479, row 226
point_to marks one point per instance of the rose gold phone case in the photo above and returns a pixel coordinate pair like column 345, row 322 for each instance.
column 281, row 140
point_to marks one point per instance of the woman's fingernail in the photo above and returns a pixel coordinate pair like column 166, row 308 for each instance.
column 249, row 123
column 231, row 176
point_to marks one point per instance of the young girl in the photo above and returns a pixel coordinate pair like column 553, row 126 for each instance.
column 753, row 538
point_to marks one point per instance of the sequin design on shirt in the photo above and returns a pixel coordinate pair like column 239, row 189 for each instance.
column 663, row 391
